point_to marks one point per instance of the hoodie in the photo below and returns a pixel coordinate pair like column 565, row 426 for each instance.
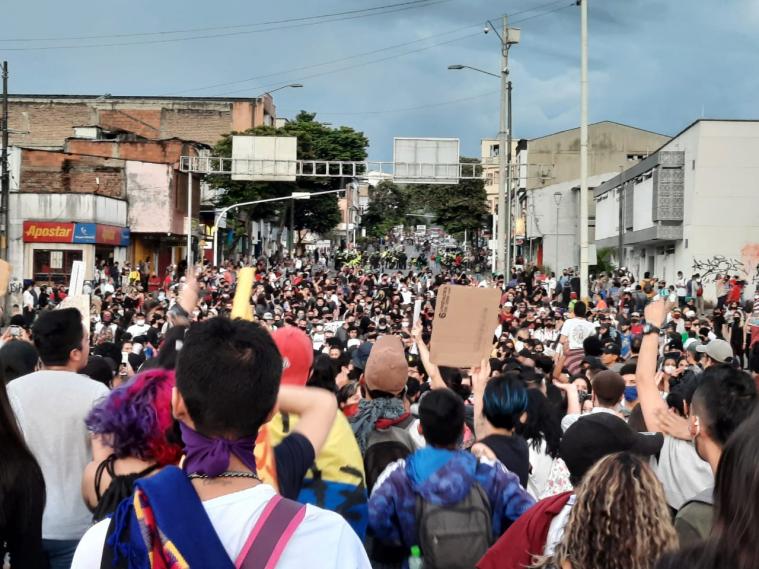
column 441, row 477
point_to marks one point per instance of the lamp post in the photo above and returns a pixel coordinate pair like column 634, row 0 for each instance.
column 583, row 148
column 557, row 200
column 507, row 37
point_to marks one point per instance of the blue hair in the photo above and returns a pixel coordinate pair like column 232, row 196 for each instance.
column 504, row 401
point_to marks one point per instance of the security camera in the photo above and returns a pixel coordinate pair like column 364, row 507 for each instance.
column 486, row 29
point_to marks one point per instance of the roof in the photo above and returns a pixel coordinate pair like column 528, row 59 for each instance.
column 108, row 97
column 598, row 123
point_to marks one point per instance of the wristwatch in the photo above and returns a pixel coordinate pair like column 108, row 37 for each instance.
column 650, row 329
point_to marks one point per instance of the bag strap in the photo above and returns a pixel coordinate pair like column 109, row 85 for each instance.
column 271, row 534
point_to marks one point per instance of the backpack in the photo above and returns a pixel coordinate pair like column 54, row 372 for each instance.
column 455, row 536
column 385, row 446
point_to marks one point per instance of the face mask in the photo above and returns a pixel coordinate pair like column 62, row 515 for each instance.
column 350, row 410
column 631, row 393
column 669, row 370
column 140, row 323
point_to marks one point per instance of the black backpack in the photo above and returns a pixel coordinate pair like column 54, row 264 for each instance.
column 385, row 446
column 455, row 536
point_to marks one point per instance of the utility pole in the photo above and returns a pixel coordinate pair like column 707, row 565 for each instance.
column 508, row 37
column 291, row 229
column 583, row 148
column 348, row 192
column 4, row 178
column 509, row 191
column 621, row 235
column 189, row 220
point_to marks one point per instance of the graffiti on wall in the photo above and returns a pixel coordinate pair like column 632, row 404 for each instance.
column 747, row 267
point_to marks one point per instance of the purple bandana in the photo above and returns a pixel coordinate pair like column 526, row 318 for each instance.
column 210, row 457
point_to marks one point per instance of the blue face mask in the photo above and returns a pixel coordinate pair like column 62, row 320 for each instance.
column 631, row 393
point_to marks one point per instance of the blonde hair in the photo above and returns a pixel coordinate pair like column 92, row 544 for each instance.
column 620, row 519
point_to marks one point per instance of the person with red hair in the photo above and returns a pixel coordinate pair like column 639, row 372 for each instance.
column 133, row 436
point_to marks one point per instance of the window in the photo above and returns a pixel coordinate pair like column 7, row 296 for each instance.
column 636, row 157
column 54, row 265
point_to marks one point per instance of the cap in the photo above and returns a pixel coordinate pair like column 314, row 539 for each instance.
column 608, row 385
column 611, row 348
column 718, row 350
column 268, row 316
column 594, row 362
column 297, row 354
column 386, row 369
column 597, row 435
column 361, row 355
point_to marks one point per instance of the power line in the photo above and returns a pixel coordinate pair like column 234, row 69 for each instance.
column 213, row 28
column 315, row 20
column 408, row 109
column 403, row 54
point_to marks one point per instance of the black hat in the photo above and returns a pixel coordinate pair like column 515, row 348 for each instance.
column 597, row 435
column 594, row 363
column 612, row 348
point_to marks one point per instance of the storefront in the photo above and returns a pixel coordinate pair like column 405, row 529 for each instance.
column 50, row 248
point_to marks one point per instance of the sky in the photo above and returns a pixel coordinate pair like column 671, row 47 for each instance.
column 653, row 64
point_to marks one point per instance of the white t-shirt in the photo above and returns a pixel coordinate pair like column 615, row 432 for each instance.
column 576, row 330
column 323, row 539
column 682, row 473
column 50, row 407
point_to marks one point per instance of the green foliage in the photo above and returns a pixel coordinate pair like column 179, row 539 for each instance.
column 603, row 261
column 388, row 204
column 457, row 206
column 316, row 140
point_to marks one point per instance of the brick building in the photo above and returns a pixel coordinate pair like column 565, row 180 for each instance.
column 48, row 120
column 112, row 195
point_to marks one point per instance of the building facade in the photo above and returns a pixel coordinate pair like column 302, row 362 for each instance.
column 548, row 167
column 690, row 206
column 113, row 196
column 48, row 120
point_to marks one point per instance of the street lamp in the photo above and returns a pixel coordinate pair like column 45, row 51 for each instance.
column 290, row 86
column 507, row 37
column 557, row 200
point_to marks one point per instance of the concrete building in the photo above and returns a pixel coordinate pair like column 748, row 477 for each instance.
column 550, row 165
column 689, row 206
column 114, row 195
column 48, row 120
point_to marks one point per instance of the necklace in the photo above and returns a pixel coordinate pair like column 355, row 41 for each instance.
column 227, row 474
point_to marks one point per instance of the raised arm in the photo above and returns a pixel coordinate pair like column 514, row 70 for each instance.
column 480, row 377
column 651, row 402
column 433, row 372
column 316, row 409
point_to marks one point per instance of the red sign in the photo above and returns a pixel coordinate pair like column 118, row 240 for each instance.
column 48, row 232
column 108, row 235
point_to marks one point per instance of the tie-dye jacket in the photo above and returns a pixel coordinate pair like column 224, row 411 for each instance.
column 441, row 477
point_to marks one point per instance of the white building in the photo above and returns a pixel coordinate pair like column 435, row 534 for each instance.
column 690, row 206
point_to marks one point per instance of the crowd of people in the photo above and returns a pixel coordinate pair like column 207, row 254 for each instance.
column 159, row 431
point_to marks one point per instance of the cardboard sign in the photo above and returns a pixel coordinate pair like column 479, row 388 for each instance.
column 82, row 303
column 5, row 276
column 241, row 307
column 77, row 278
column 462, row 331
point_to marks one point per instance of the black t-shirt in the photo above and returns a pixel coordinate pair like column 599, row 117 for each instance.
column 513, row 452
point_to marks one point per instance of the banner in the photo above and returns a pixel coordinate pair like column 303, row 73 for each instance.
column 48, row 232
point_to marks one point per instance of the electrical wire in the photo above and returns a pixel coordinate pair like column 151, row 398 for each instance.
column 424, row 3
column 394, row 56
column 214, row 28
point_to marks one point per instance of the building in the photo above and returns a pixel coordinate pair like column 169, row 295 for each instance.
column 490, row 151
column 104, row 195
column 689, row 206
column 48, row 120
column 550, row 165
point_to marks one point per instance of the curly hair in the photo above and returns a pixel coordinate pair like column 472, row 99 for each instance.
column 136, row 419
column 620, row 519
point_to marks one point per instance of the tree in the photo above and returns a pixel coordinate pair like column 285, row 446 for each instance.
column 316, row 141
column 457, row 207
column 388, row 204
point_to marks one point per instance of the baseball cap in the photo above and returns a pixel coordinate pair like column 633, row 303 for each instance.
column 718, row 350
column 386, row 368
column 611, row 348
column 361, row 355
column 268, row 316
column 297, row 354
column 597, row 435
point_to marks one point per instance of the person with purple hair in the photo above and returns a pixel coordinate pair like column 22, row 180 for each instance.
column 132, row 437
